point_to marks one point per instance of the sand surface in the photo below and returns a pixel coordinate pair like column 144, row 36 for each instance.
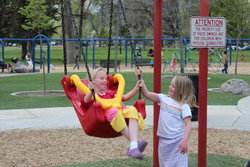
column 20, row 148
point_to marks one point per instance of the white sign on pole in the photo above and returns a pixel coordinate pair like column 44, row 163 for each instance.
column 208, row 32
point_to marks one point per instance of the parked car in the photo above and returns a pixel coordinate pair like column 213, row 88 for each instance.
column 189, row 47
column 234, row 47
column 245, row 48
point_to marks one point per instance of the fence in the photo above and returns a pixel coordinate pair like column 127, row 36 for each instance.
column 120, row 45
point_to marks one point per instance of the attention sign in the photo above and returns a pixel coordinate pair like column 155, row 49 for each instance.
column 208, row 32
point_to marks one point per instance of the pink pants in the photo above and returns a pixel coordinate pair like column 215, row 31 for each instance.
column 110, row 113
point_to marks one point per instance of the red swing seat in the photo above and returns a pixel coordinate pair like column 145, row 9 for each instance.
column 92, row 117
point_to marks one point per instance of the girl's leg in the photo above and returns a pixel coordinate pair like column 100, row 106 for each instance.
column 134, row 150
column 131, row 132
column 133, row 129
column 110, row 115
column 125, row 132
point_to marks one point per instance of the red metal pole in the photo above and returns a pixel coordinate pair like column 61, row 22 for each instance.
column 157, row 72
column 203, row 73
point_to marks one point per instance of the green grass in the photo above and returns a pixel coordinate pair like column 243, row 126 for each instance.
column 57, row 54
column 32, row 82
column 102, row 53
column 213, row 160
column 215, row 81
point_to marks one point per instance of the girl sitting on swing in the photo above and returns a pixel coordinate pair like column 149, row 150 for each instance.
column 117, row 117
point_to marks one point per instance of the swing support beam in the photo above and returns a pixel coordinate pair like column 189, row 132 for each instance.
column 157, row 73
column 203, row 73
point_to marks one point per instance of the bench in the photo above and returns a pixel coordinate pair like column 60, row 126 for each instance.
column 104, row 63
column 143, row 62
column 3, row 66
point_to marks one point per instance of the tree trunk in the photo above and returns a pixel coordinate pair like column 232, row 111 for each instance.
column 181, row 55
column 81, row 17
column 236, row 56
column 26, row 46
column 71, row 46
column 81, row 24
column 24, row 49
column 179, row 26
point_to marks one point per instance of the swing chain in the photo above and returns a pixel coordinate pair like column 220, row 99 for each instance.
column 81, row 46
column 131, row 42
column 128, row 31
column 80, row 41
column 110, row 33
column 63, row 36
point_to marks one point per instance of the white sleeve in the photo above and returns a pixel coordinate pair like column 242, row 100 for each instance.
column 186, row 111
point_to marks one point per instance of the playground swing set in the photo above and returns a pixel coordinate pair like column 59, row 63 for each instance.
column 214, row 58
column 191, row 59
column 71, row 87
column 92, row 118
column 172, row 64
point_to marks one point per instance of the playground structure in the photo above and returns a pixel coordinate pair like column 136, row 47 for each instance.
column 214, row 60
column 96, row 48
column 189, row 59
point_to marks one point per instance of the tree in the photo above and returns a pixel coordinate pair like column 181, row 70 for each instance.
column 81, row 12
column 176, row 19
column 238, row 19
column 139, row 14
column 236, row 13
column 98, row 19
column 11, row 21
column 70, row 31
column 36, row 18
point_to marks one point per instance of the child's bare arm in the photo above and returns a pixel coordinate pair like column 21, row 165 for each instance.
column 150, row 95
column 130, row 94
column 88, row 97
column 183, row 147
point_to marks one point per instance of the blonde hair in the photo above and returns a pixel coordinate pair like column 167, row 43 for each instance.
column 184, row 91
column 28, row 55
column 96, row 71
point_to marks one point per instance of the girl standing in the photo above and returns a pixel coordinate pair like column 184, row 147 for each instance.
column 174, row 126
column 173, row 63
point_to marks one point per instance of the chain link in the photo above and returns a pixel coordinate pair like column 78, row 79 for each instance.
column 63, row 35
column 80, row 41
column 131, row 43
column 110, row 33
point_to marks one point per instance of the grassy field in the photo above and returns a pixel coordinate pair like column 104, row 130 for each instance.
column 213, row 160
column 31, row 82
column 102, row 53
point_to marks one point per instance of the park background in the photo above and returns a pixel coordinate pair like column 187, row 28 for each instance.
column 56, row 147
column 86, row 20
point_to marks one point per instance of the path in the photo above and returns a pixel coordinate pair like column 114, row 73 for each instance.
column 220, row 117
